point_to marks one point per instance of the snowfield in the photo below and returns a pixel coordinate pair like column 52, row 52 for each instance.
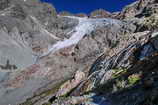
column 84, row 27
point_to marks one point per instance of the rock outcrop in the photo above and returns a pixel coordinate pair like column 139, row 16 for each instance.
column 100, row 13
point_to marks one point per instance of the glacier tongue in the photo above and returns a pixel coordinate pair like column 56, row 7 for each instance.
column 84, row 27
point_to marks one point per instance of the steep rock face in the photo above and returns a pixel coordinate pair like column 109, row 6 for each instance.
column 13, row 50
column 138, row 8
column 26, row 34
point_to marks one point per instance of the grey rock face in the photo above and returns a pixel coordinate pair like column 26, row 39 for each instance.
column 14, row 51
column 23, row 38
column 4, row 4
column 138, row 9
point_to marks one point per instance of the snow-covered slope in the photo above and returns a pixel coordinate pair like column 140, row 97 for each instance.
column 85, row 27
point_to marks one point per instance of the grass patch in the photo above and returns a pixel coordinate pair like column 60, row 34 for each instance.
column 118, row 72
column 133, row 79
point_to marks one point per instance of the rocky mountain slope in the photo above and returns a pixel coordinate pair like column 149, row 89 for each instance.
column 48, row 58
